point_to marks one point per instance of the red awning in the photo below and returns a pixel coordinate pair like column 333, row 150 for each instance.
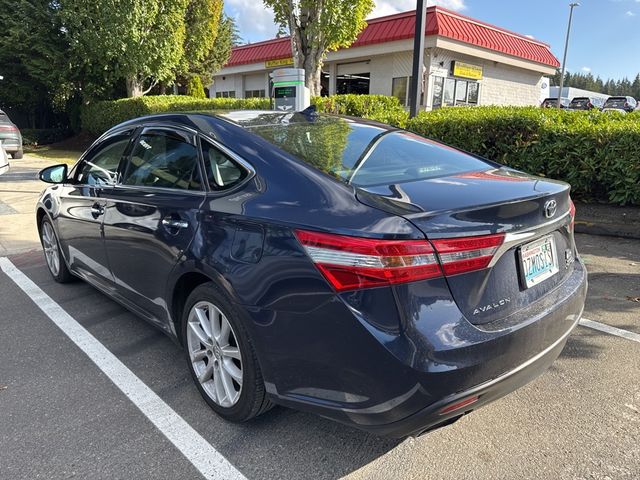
column 440, row 21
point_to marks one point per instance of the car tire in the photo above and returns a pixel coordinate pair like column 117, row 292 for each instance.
column 17, row 155
column 53, row 255
column 222, row 359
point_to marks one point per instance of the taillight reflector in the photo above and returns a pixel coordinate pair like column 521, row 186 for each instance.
column 461, row 255
column 459, row 405
column 350, row 263
column 572, row 214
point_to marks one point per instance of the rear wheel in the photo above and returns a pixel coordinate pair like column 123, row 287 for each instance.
column 17, row 155
column 52, row 254
column 221, row 357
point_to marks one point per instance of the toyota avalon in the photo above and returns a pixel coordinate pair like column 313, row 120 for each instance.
column 329, row 264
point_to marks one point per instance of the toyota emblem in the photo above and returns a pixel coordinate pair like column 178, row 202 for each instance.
column 550, row 208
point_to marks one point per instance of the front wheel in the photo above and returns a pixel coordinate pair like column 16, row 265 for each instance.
column 221, row 357
column 52, row 253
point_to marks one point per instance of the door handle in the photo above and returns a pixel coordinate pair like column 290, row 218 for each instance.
column 174, row 223
column 97, row 210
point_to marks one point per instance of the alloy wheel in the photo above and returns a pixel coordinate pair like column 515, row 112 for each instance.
column 215, row 354
column 50, row 246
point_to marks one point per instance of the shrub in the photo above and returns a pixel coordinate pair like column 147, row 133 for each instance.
column 597, row 153
column 195, row 88
column 374, row 107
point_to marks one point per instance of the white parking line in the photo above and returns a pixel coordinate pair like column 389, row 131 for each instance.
column 204, row 457
column 603, row 327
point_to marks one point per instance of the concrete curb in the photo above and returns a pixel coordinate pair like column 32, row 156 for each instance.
column 608, row 220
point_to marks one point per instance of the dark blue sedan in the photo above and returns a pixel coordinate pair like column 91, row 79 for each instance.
column 329, row 264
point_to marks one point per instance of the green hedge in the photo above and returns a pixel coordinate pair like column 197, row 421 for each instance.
column 375, row 107
column 99, row 117
column 597, row 153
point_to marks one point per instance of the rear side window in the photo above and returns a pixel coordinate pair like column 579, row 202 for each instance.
column 222, row 171
column 100, row 166
column 163, row 160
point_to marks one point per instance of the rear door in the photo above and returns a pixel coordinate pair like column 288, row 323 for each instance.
column 151, row 216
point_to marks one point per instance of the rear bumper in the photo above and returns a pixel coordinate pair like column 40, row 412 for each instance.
column 430, row 417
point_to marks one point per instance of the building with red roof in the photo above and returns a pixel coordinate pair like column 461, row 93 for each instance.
column 467, row 62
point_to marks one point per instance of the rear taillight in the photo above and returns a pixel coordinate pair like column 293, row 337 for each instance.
column 461, row 255
column 572, row 214
column 350, row 263
column 8, row 128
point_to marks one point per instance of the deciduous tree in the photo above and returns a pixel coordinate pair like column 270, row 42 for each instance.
column 317, row 27
column 141, row 41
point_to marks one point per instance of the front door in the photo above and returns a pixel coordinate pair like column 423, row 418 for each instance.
column 151, row 216
column 81, row 210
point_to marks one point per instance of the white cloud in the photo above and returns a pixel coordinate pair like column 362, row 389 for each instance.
column 388, row 7
column 630, row 13
column 254, row 20
column 586, row 69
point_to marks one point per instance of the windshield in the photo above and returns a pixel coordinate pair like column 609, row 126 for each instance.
column 366, row 155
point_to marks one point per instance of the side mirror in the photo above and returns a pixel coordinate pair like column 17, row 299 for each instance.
column 54, row 174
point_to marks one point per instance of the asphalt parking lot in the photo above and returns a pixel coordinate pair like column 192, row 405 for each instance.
column 63, row 417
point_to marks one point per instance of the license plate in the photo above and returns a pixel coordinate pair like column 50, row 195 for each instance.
column 538, row 260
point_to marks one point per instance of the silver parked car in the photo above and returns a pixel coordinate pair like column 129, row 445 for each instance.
column 4, row 160
column 10, row 136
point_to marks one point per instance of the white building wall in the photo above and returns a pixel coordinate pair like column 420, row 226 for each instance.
column 505, row 85
column 256, row 81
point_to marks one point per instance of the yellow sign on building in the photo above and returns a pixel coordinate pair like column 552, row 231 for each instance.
column 466, row 70
column 281, row 62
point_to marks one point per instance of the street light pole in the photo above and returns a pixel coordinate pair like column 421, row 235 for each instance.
column 418, row 58
column 566, row 47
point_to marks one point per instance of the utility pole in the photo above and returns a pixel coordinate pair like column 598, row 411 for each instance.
column 418, row 58
column 566, row 47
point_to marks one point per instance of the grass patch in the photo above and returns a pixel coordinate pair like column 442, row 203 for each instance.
column 68, row 151
column 54, row 155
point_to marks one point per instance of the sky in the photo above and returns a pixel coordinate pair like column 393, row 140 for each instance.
column 605, row 36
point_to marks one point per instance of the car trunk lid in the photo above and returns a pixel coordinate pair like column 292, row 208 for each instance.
column 472, row 205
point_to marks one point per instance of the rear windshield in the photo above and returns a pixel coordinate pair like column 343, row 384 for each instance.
column 579, row 102
column 365, row 155
column 618, row 102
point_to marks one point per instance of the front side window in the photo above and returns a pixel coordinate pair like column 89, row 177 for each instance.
column 163, row 159
column 101, row 166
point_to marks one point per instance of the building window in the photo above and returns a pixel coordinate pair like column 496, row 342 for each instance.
column 254, row 94
column 227, row 94
column 450, row 92
column 400, row 89
column 357, row 83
